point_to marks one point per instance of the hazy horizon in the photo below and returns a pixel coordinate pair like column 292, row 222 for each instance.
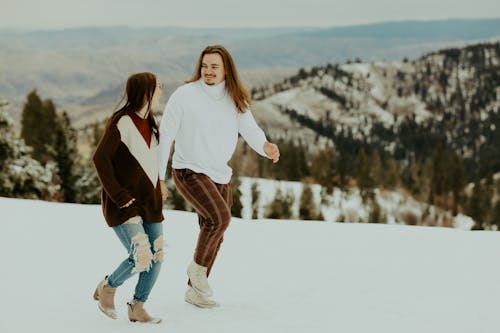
column 227, row 14
column 291, row 27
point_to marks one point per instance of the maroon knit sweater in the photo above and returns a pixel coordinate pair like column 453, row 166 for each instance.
column 127, row 168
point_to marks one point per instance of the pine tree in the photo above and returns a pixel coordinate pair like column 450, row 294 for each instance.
column 287, row 212
column 88, row 187
column 323, row 168
column 237, row 207
column 307, row 207
column 255, row 200
column 21, row 176
column 274, row 209
column 496, row 215
column 97, row 131
column 425, row 178
column 177, row 201
column 489, row 194
column 456, row 180
column 410, row 177
column 343, row 169
column 31, row 116
column 281, row 206
column 390, row 174
column 53, row 139
column 260, row 167
column 363, row 171
column 304, row 166
column 38, row 124
column 294, row 164
column 375, row 169
column 376, row 214
column 478, row 205
column 438, row 173
column 65, row 156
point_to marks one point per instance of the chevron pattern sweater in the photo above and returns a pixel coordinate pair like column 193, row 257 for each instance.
column 128, row 169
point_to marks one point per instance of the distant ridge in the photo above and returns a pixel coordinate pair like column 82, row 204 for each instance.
column 85, row 65
column 453, row 28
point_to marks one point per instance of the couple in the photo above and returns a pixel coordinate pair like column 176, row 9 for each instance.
column 204, row 118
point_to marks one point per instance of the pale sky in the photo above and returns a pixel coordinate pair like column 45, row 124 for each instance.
column 57, row 14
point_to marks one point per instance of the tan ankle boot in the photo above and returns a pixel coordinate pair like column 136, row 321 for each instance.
column 136, row 312
column 106, row 297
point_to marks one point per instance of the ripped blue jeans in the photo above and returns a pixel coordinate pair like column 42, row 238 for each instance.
column 144, row 243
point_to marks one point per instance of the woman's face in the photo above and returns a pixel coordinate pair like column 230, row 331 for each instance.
column 157, row 94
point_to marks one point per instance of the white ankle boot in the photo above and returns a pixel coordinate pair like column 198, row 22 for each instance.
column 193, row 297
column 198, row 276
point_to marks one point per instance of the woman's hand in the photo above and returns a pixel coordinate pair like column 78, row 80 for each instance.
column 128, row 203
column 272, row 151
column 164, row 190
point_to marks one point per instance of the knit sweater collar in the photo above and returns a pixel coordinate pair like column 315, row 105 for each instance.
column 216, row 91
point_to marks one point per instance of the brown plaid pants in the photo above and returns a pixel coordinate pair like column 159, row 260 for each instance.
column 212, row 203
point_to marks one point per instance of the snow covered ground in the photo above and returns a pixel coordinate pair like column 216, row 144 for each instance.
column 271, row 276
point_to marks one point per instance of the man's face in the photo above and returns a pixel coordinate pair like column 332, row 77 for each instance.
column 212, row 69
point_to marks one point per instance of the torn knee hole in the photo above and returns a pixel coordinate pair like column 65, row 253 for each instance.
column 158, row 257
column 141, row 253
column 158, row 249
column 158, row 243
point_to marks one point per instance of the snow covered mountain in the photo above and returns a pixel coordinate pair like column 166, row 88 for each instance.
column 460, row 84
column 270, row 276
column 437, row 116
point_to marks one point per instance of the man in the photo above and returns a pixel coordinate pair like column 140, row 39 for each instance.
column 204, row 117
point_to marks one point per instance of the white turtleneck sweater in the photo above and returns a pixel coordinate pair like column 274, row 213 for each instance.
column 204, row 122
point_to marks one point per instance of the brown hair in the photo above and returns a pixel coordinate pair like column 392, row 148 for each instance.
column 235, row 88
column 139, row 90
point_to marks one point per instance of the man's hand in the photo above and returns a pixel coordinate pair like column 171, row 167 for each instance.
column 164, row 190
column 272, row 151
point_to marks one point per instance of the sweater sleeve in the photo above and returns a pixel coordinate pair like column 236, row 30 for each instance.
column 169, row 127
column 251, row 132
column 103, row 161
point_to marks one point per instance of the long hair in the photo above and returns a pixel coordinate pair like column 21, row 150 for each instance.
column 139, row 91
column 235, row 88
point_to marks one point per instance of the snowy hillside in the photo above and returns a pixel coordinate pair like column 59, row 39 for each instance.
column 271, row 276
column 348, row 206
column 429, row 122
column 449, row 83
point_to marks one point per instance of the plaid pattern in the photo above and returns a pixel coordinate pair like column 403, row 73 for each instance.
column 212, row 203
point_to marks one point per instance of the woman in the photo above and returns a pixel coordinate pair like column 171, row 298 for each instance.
column 127, row 166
